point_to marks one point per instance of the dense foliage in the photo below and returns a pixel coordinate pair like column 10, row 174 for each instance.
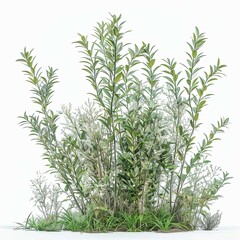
column 131, row 152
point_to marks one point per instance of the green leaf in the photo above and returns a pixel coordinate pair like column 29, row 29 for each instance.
column 104, row 122
column 66, row 188
column 119, row 86
column 118, row 78
column 175, row 78
column 188, row 169
column 196, row 117
column 180, row 129
column 194, row 53
column 201, row 104
column 119, row 120
column 106, row 92
column 180, row 156
column 200, row 92
column 115, row 31
column 191, row 123
column 173, row 72
column 151, row 63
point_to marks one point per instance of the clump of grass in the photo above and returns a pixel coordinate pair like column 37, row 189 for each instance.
column 90, row 222
column 40, row 224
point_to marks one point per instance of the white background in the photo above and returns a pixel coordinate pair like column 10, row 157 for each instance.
column 50, row 27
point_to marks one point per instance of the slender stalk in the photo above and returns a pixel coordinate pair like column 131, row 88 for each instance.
column 113, row 129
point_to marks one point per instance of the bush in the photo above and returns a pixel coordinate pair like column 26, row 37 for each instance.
column 209, row 222
column 131, row 149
